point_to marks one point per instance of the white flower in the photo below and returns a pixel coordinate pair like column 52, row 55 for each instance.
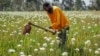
column 96, row 44
column 47, row 38
column 65, row 54
column 21, row 41
column 33, row 40
column 88, row 42
column 15, row 32
column 89, row 27
column 44, row 32
column 98, row 35
column 57, row 37
column 90, row 50
column 11, row 50
column 11, row 34
column 38, row 31
column 73, row 41
column 75, row 33
column 21, row 53
column 94, row 36
column 35, row 50
column 19, row 45
column 97, row 52
column 99, row 49
column 83, row 27
column 19, row 33
column 4, row 25
column 77, row 49
column 95, row 24
column 51, row 49
column 42, row 48
column 29, row 55
column 44, row 44
column 51, row 43
column 27, row 34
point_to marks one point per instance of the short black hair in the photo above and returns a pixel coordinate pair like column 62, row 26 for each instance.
column 46, row 4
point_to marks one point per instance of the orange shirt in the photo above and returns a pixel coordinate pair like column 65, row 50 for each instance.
column 58, row 19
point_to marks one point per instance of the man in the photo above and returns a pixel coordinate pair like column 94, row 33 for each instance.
column 60, row 23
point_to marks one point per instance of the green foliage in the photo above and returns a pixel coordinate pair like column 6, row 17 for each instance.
column 94, row 5
column 98, row 4
column 78, row 4
column 4, row 4
column 68, row 4
column 36, row 5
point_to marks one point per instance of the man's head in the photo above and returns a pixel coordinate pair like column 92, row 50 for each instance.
column 47, row 7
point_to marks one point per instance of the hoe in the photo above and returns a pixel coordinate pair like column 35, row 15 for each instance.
column 27, row 28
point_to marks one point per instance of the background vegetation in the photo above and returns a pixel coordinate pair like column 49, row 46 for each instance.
column 36, row 5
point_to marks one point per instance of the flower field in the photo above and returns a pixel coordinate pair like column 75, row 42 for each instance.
column 83, row 40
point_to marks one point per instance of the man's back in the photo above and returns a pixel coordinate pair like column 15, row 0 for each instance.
column 58, row 19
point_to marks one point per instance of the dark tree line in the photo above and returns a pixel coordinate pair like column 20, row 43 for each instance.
column 95, row 5
column 31, row 5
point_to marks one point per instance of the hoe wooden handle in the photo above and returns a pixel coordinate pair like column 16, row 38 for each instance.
column 42, row 28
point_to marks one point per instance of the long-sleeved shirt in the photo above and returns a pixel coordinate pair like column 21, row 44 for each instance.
column 58, row 19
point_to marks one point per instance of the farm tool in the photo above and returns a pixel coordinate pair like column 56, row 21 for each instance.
column 27, row 28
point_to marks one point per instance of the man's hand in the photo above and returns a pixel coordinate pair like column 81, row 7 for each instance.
column 50, row 29
column 54, row 32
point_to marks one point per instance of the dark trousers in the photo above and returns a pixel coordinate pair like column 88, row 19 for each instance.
column 63, row 36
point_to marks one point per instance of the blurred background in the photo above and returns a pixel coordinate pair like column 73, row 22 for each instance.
column 36, row 5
